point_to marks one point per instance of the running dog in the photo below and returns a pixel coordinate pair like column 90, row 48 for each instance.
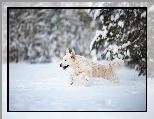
column 84, row 69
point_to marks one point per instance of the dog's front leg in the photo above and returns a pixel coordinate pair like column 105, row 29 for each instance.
column 113, row 79
column 84, row 77
column 71, row 79
column 86, row 74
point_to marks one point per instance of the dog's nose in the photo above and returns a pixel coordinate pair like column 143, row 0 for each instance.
column 60, row 65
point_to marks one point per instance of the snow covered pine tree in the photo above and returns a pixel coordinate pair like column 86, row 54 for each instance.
column 123, row 35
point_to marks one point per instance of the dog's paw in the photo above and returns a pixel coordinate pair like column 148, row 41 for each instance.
column 86, row 79
column 86, row 82
column 83, row 80
column 71, row 83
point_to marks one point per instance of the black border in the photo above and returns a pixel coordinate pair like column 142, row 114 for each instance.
column 7, row 59
column 66, row 8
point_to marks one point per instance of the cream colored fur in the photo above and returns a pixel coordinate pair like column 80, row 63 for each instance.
column 84, row 69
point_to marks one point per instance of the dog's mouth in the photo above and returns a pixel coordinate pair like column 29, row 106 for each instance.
column 65, row 67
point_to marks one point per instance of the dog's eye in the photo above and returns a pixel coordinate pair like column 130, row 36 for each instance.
column 65, row 60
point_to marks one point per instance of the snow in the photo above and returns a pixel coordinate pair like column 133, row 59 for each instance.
column 41, row 24
column 120, row 56
column 93, row 54
column 101, row 17
column 92, row 42
column 121, row 24
column 125, row 44
column 128, row 53
column 106, row 44
column 114, row 49
column 45, row 87
column 143, row 14
column 136, row 46
column 97, row 13
column 104, row 52
column 110, row 24
column 104, row 32
column 108, row 55
column 114, row 18
column 47, row 82
column 135, row 13
column 110, row 47
column 98, row 32
column 125, row 53
column 96, row 37
column 89, row 10
column 111, row 33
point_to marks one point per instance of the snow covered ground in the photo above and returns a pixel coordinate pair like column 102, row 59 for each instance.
column 44, row 87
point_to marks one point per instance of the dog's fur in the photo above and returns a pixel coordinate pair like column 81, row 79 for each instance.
column 84, row 69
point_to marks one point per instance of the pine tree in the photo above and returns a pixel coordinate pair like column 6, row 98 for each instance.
column 123, row 35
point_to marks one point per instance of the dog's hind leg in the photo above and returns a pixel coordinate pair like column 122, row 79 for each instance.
column 113, row 78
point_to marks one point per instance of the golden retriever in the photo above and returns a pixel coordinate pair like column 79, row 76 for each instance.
column 84, row 69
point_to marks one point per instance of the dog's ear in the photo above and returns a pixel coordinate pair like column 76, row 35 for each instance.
column 73, row 54
column 67, row 51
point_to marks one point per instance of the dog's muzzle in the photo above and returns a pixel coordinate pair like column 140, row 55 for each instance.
column 64, row 66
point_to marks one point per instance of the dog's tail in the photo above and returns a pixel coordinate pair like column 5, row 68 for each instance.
column 116, row 64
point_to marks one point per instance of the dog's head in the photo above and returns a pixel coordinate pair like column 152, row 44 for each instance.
column 68, row 59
